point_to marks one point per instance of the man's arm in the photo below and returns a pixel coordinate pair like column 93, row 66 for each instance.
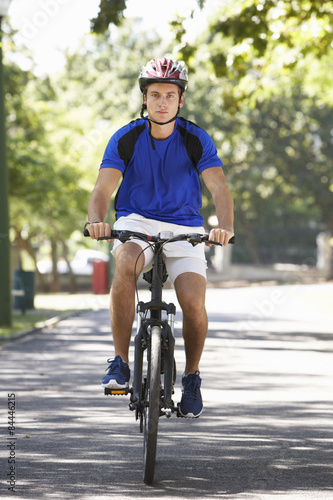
column 216, row 183
column 107, row 181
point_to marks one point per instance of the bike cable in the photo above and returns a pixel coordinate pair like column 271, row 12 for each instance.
column 135, row 266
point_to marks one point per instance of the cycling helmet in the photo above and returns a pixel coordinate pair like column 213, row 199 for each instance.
column 163, row 71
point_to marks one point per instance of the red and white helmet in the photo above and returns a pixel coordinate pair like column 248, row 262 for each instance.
column 163, row 71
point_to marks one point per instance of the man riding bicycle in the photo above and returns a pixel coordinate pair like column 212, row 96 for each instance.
column 160, row 158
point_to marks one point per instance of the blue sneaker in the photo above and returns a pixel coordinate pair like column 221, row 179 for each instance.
column 190, row 405
column 118, row 374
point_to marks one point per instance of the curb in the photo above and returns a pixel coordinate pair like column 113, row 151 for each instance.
column 41, row 325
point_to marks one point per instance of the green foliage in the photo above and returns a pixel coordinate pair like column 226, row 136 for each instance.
column 103, row 77
column 111, row 12
column 262, row 90
column 42, row 180
column 291, row 29
column 57, row 130
column 253, row 44
column 260, row 84
column 267, row 104
column 278, row 162
column 47, row 198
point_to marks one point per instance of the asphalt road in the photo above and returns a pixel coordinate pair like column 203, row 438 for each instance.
column 266, row 431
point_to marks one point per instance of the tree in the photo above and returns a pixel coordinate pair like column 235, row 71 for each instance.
column 112, row 12
column 272, row 98
column 45, row 194
column 262, row 90
column 58, row 129
column 259, row 29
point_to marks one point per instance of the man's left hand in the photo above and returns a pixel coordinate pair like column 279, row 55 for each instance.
column 220, row 235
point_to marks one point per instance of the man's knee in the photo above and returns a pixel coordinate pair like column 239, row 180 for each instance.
column 192, row 305
column 125, row 257
column 191, row 290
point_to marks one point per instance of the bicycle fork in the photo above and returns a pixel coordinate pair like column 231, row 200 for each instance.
column 141, row 343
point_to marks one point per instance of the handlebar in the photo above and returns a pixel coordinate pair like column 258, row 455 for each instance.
column 164, row 237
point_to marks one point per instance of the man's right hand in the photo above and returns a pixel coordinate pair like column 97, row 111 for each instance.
column 99, row 229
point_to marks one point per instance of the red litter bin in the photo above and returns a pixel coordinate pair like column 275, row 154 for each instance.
column 100, row 282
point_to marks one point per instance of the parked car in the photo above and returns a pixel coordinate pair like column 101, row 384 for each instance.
column 83, row 261
column 82, row 264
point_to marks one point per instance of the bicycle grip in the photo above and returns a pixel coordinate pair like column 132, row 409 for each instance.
column 230, row 242
column 114, row 234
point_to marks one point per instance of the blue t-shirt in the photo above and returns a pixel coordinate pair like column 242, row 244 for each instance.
column 161, row 183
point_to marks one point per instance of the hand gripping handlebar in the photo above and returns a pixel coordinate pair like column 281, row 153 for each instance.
column 192, row 238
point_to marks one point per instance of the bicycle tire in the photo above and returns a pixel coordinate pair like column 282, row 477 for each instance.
column 152, row 411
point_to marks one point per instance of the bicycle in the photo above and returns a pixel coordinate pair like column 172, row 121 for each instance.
column 151, row 394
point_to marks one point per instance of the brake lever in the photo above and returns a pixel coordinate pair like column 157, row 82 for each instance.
column 195, row 239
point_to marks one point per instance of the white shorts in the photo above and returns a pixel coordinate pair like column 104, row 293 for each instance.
column 180, row 257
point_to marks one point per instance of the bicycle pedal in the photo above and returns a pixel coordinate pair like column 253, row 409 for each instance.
column 115, row 392
column 180, row 415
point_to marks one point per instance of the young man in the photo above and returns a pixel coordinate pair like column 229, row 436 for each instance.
column 160, row 158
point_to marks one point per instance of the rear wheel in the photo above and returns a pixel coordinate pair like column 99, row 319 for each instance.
column 152, row 411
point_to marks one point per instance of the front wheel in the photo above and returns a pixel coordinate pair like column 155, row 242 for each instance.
column 152, row 398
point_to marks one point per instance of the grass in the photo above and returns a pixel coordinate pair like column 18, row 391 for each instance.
column 22, row 322
column 51, row 306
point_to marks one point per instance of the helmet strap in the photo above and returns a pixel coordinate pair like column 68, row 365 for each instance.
column 157, row 123
column 143, row 108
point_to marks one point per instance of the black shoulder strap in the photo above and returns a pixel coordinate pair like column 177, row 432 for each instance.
column 126, row 143
column 192, row 145
column 126, row 146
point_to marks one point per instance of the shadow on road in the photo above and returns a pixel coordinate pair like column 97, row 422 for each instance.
column 258, row 433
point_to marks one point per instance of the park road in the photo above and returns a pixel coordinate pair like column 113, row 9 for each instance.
column 266, row 431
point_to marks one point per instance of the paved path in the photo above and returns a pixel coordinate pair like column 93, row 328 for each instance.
column 266, row 432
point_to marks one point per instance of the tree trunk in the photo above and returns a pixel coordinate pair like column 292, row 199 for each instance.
column 72, row 279
column 330, row 228
column 250, row 240
column 25, row 245
column 55, row 284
